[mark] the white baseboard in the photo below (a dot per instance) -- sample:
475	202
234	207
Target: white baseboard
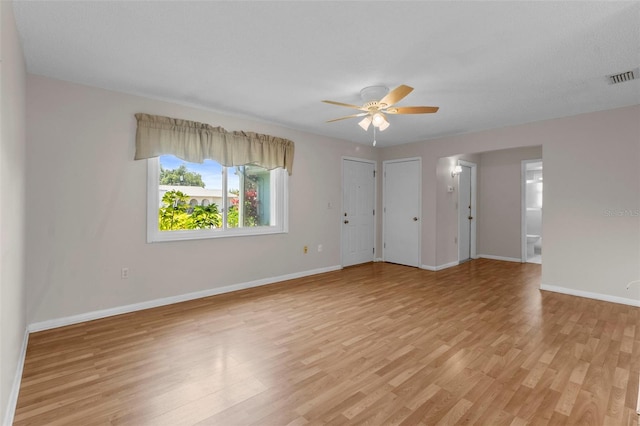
440	267
590	295
456	263
447	265
378	259
75	319
506	259
15	388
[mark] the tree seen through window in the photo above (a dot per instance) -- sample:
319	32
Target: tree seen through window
210	196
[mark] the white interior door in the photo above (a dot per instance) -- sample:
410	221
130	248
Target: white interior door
464	214
358	216
402	211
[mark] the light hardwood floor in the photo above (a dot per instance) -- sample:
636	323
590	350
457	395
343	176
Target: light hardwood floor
378	344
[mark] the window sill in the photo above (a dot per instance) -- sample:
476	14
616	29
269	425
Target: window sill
166	236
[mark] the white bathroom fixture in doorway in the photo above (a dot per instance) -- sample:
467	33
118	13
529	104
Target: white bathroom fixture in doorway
531	229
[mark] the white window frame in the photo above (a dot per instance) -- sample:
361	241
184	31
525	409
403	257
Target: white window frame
279	206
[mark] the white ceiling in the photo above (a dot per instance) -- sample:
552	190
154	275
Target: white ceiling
485	64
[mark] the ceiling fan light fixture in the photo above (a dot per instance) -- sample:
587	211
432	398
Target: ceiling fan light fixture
377	119
379	101
364	123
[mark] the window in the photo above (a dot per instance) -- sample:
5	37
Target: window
194	201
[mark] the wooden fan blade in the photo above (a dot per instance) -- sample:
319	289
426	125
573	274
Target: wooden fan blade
396	95
412	110
345	105
348	116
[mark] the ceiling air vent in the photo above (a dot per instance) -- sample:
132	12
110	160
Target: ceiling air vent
624	76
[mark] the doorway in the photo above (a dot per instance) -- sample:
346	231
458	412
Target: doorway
467	211
531	228
402	211
358	215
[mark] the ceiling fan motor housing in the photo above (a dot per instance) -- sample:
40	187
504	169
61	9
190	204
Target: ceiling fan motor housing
373	94
373	106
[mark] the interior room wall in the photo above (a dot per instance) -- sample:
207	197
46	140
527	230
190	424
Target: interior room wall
591	200
87	147
590	166
12	208
500	206
447	209
432	150
81	172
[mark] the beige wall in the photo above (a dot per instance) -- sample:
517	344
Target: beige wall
498	204
590	163
68	252
83	138
447	209
499	207
431	151
12	207
591	166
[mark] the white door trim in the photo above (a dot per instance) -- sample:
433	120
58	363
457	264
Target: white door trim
523	207
402	160
375	203
474	209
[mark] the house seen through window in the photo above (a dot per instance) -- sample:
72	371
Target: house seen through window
209	200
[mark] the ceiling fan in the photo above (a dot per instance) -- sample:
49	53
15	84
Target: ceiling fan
378	101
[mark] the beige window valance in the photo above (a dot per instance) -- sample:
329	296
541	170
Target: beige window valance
195	142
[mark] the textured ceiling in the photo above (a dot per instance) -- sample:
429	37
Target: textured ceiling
485	64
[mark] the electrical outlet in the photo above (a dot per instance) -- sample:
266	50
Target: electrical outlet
124	273
319	247
305	249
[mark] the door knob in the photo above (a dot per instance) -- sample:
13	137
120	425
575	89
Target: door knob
415	219
346	221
